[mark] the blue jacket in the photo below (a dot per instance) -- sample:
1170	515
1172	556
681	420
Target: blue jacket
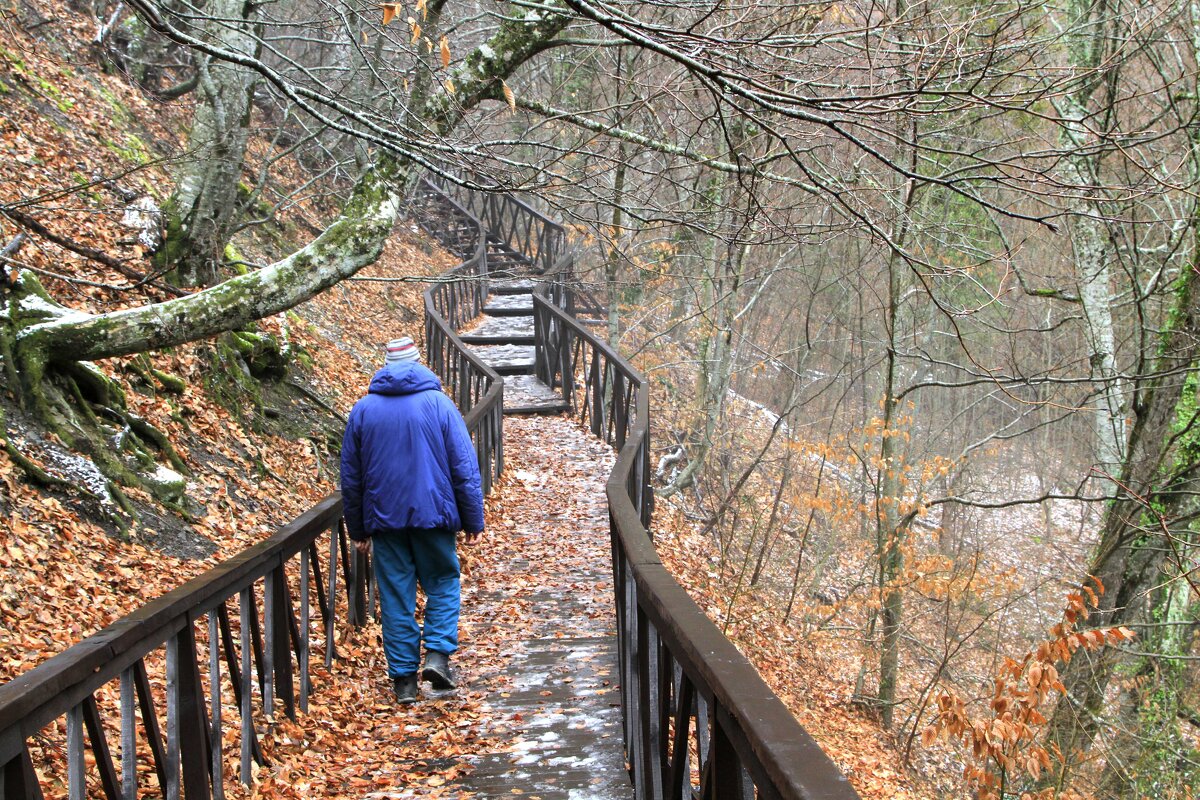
407	459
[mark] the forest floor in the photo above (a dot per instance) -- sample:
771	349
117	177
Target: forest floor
259	461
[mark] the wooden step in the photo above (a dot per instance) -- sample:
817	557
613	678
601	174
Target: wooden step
525	394
500	330
513	286
507	359
509	305
501	253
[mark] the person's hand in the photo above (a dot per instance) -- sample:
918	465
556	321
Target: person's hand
471	537
363	546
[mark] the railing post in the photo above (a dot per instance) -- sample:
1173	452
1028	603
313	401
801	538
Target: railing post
128	738
247	710
193	742
648	700
620	409
305	633
279	617
76	777
100	752
215	731
18	780
565	346
596	394
358	589
332	595
679	787
171	790
725	778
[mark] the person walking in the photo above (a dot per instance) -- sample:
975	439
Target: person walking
410	483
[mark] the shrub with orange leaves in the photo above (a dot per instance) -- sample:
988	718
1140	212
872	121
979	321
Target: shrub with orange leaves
1004	744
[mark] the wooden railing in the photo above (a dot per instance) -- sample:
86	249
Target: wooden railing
450	304
511	221
265	655
686	692
183	638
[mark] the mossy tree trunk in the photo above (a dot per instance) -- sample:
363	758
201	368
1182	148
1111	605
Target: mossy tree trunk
45	340
1147	440
1142	538
202	213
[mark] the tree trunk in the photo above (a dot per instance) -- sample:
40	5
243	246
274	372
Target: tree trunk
891	526
202	213
1157	484
1090	241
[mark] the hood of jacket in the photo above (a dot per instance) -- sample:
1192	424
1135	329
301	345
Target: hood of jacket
404	377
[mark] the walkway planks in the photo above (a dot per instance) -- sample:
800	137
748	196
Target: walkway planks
503	338
555	696
537	704
500	330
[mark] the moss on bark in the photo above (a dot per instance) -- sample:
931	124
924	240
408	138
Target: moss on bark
80	406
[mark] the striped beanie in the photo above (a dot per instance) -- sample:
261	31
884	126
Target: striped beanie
401	349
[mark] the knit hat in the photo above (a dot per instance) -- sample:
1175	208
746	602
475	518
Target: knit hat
402	349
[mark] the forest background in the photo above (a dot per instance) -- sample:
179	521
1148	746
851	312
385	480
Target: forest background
916	284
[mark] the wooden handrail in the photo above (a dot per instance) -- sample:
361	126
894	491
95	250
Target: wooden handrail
66	684
679	673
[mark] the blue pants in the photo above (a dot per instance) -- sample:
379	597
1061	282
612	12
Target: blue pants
402	558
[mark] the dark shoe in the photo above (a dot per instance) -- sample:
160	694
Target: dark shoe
437	671
406	689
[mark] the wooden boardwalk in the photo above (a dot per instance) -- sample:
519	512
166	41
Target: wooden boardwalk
553	698
539	708
558	688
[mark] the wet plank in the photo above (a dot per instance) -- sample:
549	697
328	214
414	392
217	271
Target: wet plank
568	744
507	359
500	330
525	394
509	305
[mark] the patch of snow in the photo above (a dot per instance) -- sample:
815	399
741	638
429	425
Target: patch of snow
80	470
166	475
144	216
487	52
771	416
58	314
33	303
91	367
